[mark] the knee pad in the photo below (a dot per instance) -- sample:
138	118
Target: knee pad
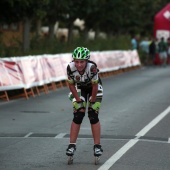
78	117
93	116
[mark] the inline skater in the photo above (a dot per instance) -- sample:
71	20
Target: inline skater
86	91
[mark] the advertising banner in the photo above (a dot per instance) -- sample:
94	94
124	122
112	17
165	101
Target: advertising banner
31	71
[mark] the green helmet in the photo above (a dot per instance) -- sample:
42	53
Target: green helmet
81	53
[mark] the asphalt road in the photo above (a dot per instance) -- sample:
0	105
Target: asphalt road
134	116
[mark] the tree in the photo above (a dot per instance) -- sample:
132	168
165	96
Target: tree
73	11
91	14
55	11
25	11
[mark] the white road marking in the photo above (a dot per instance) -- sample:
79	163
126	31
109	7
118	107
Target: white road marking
114	158
153	122
27	135
60	135
169	140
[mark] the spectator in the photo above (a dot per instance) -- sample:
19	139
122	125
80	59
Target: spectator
134	43
168	51
162	49
152	51
144	46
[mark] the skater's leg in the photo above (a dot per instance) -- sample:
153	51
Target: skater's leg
96	132
74	131
93	113
95	123
78	115
76	123
96	136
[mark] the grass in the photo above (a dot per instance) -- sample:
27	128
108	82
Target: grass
40	46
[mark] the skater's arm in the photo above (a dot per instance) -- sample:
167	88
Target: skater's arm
94	92
74	92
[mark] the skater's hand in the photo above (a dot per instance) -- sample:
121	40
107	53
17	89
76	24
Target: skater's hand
81	101
91	104
78	105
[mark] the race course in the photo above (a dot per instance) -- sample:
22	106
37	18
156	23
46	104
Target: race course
134	117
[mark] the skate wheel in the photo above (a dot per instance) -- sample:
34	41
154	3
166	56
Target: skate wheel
97	159
70	160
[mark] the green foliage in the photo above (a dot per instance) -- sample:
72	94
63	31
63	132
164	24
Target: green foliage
44	46
117	18
17	10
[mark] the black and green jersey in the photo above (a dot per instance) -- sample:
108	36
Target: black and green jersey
85	80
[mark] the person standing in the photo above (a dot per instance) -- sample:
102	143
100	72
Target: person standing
152	51
134	43
162	49
86	92
168	50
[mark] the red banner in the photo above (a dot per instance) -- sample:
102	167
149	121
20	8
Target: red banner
10	76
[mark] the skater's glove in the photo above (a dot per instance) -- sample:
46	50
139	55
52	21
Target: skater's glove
91	104
78	105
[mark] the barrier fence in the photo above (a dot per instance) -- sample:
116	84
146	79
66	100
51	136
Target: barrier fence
39	73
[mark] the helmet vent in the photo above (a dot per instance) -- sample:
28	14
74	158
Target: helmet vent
79	54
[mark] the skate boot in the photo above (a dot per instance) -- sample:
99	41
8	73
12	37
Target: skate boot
97	153
70	152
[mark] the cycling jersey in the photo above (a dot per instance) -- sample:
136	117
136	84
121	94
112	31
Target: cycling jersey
85	80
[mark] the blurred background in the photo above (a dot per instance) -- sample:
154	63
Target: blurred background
29	27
